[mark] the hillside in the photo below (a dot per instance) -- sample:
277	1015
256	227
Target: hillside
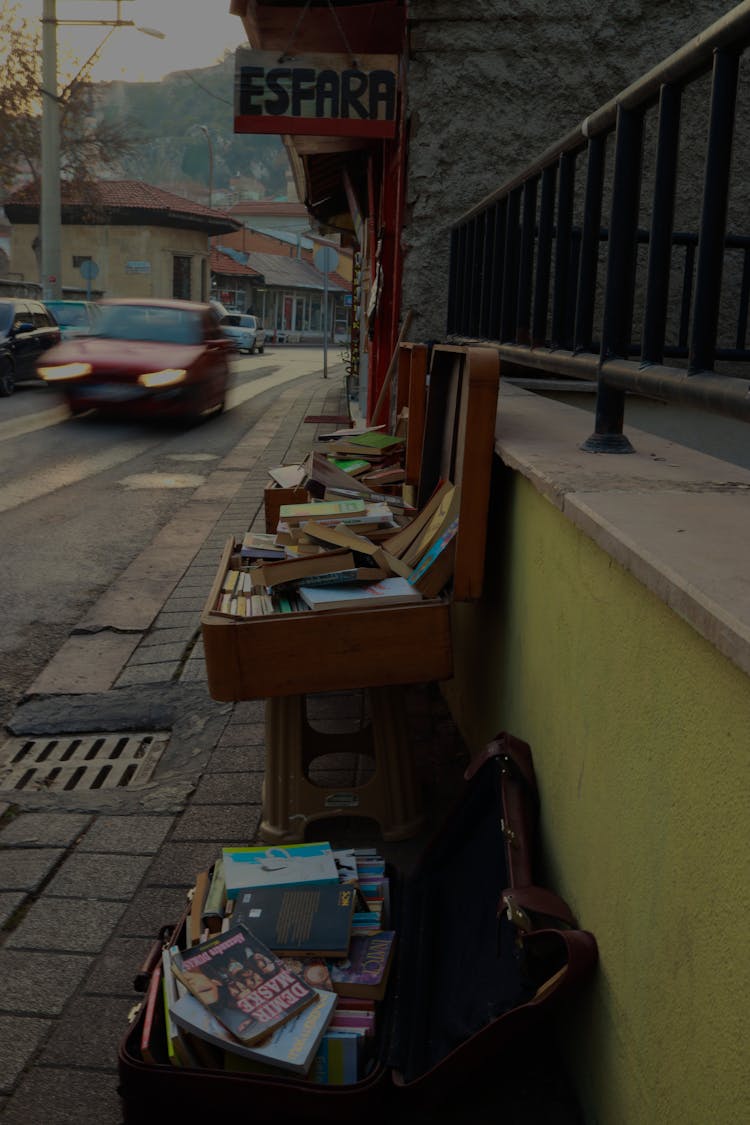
173	152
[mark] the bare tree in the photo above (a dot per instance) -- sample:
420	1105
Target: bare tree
88	145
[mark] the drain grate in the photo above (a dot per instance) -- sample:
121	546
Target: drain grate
76	762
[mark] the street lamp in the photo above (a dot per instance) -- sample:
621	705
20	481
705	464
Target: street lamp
50	220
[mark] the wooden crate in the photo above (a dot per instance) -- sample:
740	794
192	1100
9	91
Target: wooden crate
302	653
298	653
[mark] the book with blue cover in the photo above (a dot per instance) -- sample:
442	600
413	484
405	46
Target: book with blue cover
313	921
277	866
390	591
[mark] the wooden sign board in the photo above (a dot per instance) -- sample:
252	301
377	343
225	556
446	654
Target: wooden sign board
316	95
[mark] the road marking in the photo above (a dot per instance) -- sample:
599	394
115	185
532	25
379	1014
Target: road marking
73	472
67	473
238	395
17	427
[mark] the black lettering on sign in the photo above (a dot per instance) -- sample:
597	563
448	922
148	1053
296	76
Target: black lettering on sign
327	94
383	92
250	89
353	85
274	79
303	89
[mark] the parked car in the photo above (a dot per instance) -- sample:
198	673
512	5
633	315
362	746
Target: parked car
245	330
76	318
27	330
155	358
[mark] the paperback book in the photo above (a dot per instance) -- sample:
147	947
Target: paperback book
364	973
277	866
292	1047
244	986
309	920
391	591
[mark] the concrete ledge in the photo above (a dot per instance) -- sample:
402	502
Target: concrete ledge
678	520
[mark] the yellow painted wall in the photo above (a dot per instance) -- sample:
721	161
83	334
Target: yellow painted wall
113	248
640	733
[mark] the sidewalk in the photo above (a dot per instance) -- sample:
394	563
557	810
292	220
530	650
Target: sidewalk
89	875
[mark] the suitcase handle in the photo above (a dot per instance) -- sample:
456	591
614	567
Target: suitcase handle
153	957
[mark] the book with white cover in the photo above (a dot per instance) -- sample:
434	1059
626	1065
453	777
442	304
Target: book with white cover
278	865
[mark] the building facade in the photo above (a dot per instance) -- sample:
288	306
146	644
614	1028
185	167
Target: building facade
129	240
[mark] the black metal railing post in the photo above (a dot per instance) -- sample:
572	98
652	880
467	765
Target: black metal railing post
560	296
714	212
544	256
590	236
662	226
617	320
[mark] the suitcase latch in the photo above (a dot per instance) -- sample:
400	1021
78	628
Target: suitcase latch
516	914
133	1013
508	833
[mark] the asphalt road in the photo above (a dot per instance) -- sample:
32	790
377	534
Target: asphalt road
81	497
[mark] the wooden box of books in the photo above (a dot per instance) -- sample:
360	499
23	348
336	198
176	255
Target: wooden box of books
377	1006
397	629
297	652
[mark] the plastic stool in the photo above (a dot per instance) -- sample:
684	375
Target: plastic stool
291	801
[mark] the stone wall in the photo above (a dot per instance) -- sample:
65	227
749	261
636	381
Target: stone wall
492	85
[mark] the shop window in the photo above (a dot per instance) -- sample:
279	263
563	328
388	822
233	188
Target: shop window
181	277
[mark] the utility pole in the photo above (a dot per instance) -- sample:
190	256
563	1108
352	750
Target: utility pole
204	130
50	210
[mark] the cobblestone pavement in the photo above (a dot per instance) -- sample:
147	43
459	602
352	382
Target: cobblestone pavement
88	878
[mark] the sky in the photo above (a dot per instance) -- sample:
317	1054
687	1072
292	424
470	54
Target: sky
197	34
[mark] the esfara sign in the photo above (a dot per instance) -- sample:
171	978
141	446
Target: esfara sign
316	95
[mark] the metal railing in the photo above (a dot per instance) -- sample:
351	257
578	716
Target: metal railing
534	271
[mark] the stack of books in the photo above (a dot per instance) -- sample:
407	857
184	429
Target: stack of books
282	963
345	553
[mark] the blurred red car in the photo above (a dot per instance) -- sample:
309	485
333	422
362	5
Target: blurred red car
155	358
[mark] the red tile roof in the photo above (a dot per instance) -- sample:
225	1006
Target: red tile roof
123	194
225	264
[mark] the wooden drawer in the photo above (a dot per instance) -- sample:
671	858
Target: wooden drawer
336	650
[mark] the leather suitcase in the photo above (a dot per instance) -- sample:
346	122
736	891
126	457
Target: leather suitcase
484	957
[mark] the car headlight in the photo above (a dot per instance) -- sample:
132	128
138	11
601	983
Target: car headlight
65	371
166	378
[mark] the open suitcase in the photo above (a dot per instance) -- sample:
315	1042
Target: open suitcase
483	957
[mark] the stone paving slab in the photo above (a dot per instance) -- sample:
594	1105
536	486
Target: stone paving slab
223	789
159	673
236	824
238	759
40	983
20	1037
92	1030
44	829
244	734
25	869
100	876
62	1096
177	864
142	835
9	904
113	972
85	664
158	906
67	925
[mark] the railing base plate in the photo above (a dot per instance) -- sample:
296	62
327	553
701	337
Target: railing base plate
607	443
